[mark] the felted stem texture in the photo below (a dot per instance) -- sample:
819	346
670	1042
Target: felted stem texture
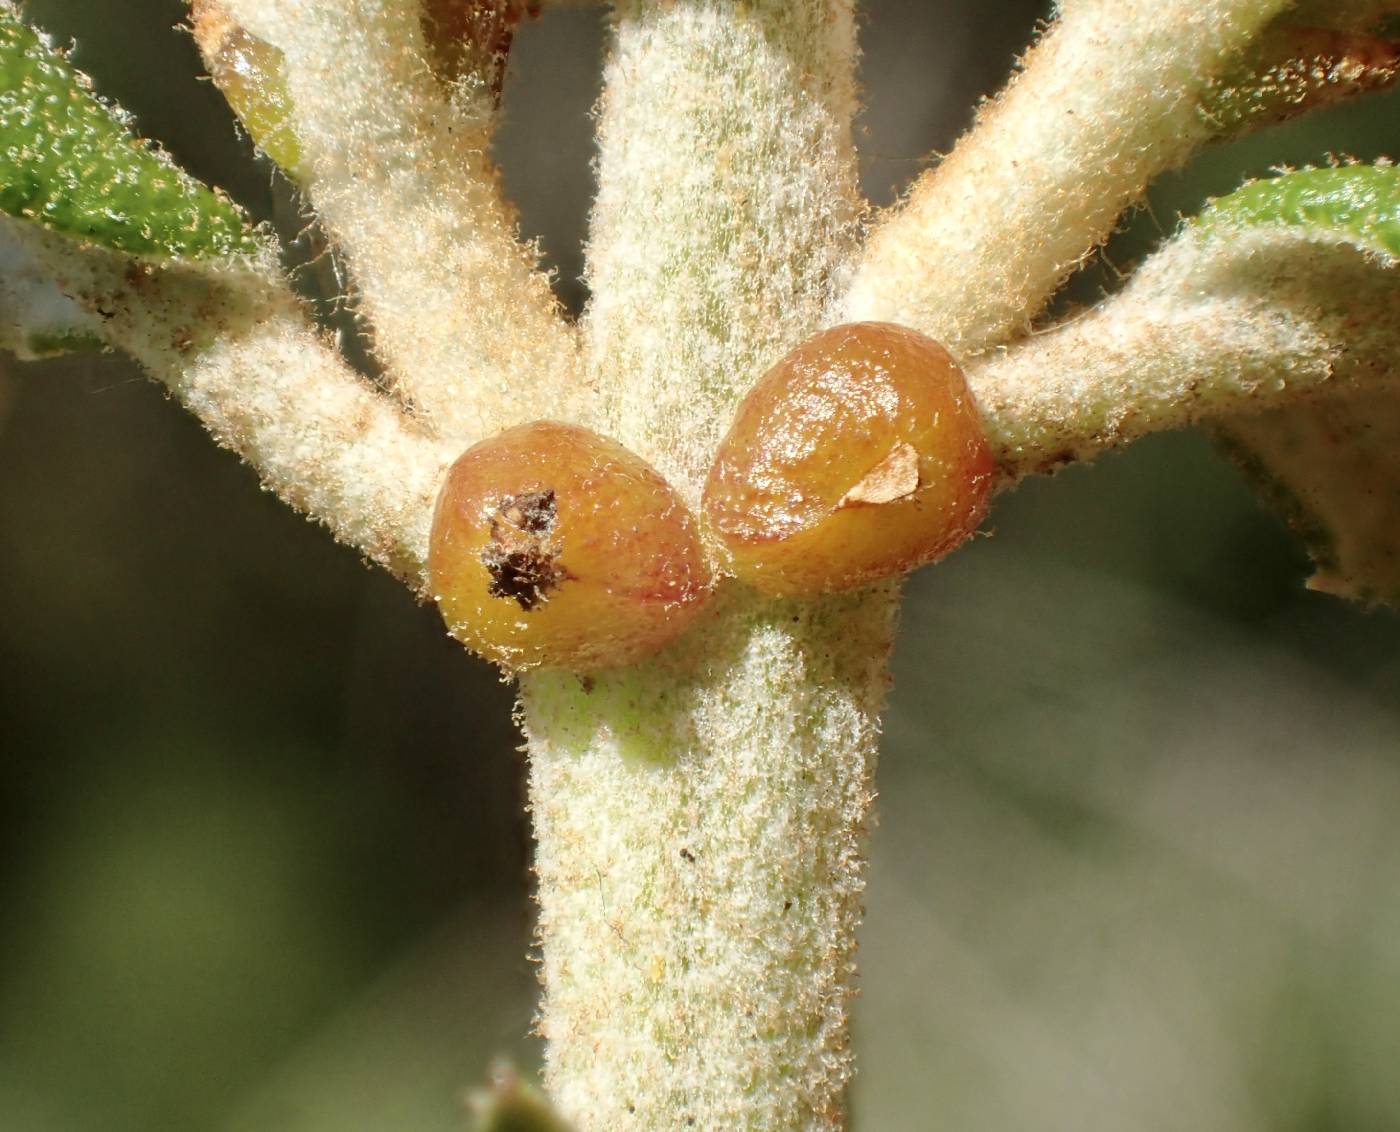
700	819
238	352
1208	328
726	211
1108	99
701	860
399	174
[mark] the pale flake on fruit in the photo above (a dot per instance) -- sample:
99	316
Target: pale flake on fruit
857	456
894	477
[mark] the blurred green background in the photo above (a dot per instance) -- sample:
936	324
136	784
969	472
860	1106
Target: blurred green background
262	850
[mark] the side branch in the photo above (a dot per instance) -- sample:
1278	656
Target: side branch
239	353
1207	329
397	166
1107	100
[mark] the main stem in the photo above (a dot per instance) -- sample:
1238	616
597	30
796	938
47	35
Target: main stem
700	819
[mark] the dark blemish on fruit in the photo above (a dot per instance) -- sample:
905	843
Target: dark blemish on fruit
522	557
687	855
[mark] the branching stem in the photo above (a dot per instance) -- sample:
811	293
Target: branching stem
700	819
399	172
240	354
1107	100
1208	328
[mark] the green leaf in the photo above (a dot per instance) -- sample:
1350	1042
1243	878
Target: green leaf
70	162
1331	469
1359	204
48	344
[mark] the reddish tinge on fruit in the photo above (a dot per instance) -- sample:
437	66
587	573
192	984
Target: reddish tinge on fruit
555	547
857	456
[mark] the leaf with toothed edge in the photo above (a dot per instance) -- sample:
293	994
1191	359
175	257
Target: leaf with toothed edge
1331	469
70	162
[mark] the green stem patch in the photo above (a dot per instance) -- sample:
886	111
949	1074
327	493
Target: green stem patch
513	1105
70	162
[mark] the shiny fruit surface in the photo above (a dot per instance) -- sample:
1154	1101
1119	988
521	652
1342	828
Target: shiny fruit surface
857	456
555	547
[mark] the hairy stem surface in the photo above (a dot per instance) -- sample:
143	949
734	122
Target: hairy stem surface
700	862
726	211
700	820
240	355
1107	100
1208	328
400	174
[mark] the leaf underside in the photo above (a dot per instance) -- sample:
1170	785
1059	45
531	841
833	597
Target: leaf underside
1332	469
70	162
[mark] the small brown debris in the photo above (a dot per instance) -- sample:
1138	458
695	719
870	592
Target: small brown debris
522	557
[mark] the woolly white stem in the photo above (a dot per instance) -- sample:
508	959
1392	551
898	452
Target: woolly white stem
241	356
700	819
725	215
400	175
1108	99
1213	325
701	859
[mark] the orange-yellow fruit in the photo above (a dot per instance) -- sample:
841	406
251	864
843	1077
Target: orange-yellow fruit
859	455
555	547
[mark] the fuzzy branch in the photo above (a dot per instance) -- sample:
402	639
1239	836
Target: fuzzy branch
1292	70
396	165
1209	327
239	353
1108	99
